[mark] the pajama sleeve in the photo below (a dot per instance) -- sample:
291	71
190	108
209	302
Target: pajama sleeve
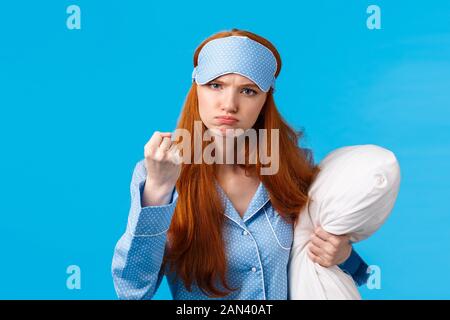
356	268
136	265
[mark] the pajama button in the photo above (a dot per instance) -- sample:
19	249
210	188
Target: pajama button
245	232
253	269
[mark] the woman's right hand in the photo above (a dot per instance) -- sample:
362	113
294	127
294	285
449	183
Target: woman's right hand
163	163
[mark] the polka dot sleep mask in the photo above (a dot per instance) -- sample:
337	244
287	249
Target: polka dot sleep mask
236	54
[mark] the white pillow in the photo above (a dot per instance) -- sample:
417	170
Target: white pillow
353	194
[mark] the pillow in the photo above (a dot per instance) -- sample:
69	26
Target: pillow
353	194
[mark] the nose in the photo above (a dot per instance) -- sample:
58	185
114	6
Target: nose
230	102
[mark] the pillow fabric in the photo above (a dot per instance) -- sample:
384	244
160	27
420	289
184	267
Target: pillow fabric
353	194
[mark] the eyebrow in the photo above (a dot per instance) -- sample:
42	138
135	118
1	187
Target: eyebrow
242	85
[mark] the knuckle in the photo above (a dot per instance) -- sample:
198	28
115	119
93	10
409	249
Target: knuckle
148	151
159	155
326	262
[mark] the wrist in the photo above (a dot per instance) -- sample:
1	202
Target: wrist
347	256
156	194
161	186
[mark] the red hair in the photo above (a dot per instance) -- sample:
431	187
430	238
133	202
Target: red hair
195	248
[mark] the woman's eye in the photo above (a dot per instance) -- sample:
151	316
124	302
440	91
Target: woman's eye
247	91
250	92
214	85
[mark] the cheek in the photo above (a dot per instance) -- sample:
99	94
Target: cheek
205	104
253	111
202	111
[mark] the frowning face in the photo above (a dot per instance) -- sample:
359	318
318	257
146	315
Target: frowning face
230	101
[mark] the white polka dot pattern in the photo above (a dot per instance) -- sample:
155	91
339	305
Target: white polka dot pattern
236	54
257	248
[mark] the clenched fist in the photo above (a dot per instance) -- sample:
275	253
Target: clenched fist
328	249
163	163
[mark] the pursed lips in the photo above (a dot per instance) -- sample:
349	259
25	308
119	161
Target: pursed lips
226	120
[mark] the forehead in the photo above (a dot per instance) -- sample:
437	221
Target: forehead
234	78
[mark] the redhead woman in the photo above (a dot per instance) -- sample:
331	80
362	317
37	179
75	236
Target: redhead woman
223	229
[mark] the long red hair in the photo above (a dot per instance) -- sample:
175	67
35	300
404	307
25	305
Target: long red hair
195	248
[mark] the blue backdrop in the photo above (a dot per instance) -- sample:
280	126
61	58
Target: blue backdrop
77	107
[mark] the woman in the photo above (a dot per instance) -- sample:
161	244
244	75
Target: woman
223	230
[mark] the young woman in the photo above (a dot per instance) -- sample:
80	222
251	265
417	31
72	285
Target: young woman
223	230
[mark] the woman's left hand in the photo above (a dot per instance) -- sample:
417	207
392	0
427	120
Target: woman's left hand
328	249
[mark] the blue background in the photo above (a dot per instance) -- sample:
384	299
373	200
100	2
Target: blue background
77	107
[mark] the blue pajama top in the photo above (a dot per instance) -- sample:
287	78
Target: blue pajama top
257	248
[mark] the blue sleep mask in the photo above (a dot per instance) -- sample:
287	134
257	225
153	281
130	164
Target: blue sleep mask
236	54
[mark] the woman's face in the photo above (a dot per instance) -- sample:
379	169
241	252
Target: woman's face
230	101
